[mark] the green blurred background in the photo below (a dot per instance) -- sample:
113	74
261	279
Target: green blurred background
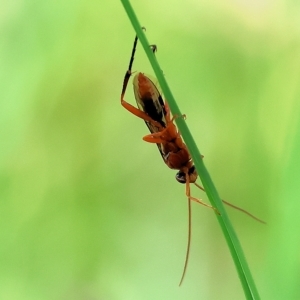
88	210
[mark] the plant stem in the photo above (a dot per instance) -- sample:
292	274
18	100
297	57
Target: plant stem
228	231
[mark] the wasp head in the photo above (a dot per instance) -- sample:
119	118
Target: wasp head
192	174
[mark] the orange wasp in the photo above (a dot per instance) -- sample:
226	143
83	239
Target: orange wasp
156	114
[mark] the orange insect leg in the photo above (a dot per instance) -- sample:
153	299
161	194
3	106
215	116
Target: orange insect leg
165	135
137	112
127	105
151	138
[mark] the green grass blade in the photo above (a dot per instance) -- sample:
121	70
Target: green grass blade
228	231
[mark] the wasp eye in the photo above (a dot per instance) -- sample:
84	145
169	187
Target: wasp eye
192	173
180	177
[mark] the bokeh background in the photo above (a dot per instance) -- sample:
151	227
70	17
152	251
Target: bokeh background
87	209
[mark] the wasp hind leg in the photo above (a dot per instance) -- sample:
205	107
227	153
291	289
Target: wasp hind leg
124	103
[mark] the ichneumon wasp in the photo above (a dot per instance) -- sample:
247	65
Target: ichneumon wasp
156	114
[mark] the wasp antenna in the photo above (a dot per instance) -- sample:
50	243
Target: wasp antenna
187	254
199	186
244	211
235	207
189	241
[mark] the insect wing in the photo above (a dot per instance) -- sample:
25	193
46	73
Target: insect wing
149	100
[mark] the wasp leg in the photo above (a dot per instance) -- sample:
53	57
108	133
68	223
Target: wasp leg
125	104
151	138
166	134
138	112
